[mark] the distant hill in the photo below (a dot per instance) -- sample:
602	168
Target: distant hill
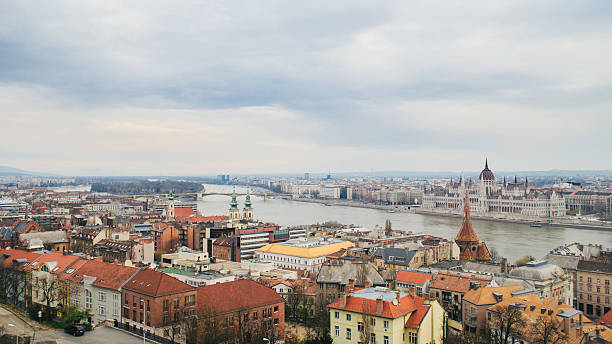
11	171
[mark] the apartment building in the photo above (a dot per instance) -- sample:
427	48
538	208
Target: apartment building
594	288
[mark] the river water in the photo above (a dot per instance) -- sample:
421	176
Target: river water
509	239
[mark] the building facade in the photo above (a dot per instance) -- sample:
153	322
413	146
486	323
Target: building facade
594	288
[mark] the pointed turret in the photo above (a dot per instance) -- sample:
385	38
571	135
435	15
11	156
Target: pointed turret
515	180
234	202
466	234
247	201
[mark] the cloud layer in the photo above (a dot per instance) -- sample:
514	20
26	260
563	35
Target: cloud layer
211	87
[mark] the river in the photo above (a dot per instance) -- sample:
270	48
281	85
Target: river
509	239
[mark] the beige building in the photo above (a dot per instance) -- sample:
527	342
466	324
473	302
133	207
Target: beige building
594	288
382	316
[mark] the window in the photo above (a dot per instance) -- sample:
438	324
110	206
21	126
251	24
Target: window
386	340
386	324
348	317
246	317
176	302
337	315
337	329
373	339
101	296
348	333
88	299
360	326
607	299
598	281
275	309
166	305
589	280
412	338
275	321
127	299
115	304
580	278
101	310
373	322
607	282
255	315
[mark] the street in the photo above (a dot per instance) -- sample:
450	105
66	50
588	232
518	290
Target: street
102	335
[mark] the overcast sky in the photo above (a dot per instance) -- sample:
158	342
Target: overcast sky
197	87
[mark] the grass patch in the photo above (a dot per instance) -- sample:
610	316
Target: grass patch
609	219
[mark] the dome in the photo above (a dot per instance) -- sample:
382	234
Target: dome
486	174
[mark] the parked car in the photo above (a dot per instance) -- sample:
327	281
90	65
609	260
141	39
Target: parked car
75	330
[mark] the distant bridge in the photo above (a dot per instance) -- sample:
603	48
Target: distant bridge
199	195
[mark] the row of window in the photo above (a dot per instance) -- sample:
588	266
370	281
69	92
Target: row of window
360	324
590	298
598	288
590	280
412	337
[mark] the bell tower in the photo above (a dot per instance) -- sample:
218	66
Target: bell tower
170	210
248	209
234	212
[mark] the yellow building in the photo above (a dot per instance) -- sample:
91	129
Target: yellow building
382	316
301	254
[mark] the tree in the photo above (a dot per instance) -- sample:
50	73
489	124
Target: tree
207	328
292	304
505	322
362	273
388	229
12	286
50	291
366	327
547	330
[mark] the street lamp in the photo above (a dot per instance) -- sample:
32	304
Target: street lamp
16	331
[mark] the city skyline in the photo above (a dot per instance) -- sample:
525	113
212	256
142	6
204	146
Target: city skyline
194	89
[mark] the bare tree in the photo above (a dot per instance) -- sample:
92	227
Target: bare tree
12	286
207	328
388	229
547	330
505	322
366	327
362	273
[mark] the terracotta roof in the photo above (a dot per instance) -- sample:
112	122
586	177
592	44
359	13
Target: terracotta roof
56	262
413	277
415	319
156	283
183	212
198	219
13	254
484	296
111	276
232	296
457	283
356	304
466	233
606	319
482	252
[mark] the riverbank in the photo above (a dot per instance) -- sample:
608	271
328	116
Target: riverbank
550	222
421	211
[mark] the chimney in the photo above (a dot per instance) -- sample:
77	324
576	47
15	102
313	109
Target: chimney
351	284
379	305
342	300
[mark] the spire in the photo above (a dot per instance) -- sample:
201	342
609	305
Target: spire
486	163
504	180
526	181
234	203
515	181
247	201
466	233
171	196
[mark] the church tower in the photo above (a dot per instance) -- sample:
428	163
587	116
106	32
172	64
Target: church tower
248	209
234	212
170	210
470	247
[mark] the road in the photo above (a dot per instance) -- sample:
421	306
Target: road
102	335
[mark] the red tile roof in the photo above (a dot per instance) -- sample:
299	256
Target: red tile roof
457	283
198	219
183	212
58	262
17	254
362	305
413	277
415	319
606	319
156	283
111	276
232	296
466	233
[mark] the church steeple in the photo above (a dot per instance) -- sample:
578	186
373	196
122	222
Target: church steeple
248	209
466	233
247	201
234	202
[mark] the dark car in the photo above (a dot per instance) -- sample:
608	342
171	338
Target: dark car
75	330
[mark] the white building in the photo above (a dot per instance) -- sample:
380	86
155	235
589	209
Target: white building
487	197
301	254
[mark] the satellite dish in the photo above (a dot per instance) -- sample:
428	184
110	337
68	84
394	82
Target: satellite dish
395	302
